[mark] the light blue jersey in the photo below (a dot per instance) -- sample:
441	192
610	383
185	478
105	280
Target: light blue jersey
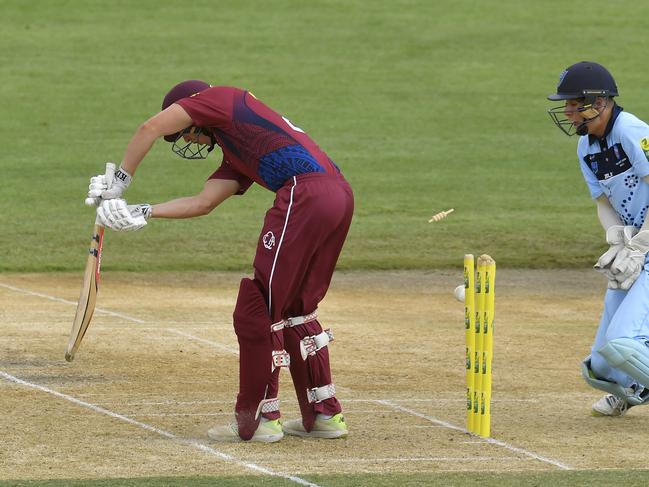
615	165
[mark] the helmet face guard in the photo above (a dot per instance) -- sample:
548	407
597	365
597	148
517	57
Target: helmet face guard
587	110
193	150
584	81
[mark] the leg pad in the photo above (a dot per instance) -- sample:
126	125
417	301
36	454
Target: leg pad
630	356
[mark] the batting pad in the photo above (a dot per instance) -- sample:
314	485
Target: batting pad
630	356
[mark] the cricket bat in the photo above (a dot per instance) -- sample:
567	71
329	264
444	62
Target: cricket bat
90	287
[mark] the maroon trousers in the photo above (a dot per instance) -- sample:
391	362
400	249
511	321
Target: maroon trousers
297	252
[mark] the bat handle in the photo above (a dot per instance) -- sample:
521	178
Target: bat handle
110	173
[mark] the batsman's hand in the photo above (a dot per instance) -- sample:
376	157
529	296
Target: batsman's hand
100	188
97	186
629	262
117	186
119	216
616	236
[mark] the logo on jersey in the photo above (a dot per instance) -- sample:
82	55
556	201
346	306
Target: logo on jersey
644	144
268	240
608	163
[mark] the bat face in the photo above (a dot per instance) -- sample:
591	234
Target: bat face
88	296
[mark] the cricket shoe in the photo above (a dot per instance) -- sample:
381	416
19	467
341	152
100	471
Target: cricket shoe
267	432
610	405
334	427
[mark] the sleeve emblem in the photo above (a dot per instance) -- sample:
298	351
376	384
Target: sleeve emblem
644	144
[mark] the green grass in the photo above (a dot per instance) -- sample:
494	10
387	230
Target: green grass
446	479
425	105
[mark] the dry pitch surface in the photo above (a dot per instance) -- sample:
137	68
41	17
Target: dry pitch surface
158	367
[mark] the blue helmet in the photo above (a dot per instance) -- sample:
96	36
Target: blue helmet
582	79
585	81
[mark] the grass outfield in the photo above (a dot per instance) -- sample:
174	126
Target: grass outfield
485	479
425	105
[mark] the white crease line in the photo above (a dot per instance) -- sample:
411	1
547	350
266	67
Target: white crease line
61	300
147	415
442	400
487	440
206	401
284	412
415	413
386	403
161	403
405	459
161	432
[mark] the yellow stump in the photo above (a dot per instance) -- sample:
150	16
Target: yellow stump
469	327
487	341
479	344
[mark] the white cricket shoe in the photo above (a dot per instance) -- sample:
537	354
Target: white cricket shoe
334	427
267	432
611	405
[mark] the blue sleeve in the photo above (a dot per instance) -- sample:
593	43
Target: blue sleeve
633	138
591	180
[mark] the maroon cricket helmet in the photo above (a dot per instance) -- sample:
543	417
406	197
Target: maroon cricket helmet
180	91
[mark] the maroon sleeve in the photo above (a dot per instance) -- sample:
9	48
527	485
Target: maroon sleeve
211	107
226	171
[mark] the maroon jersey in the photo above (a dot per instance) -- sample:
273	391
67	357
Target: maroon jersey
258	144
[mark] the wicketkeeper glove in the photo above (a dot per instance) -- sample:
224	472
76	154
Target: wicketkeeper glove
630	260
119	216
616	236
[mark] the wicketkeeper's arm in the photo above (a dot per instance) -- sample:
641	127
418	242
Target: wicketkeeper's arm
215	192
617	234
608	217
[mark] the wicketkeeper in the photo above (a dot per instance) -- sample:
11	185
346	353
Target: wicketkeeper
275	317
613	153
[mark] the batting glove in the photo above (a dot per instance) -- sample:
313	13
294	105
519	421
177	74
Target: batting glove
629	262
120	182
616	237
119	216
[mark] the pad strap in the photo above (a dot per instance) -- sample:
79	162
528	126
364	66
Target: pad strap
281	358
294	321
310	345
319	394
267	406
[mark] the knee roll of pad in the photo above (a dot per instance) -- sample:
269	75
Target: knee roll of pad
630	356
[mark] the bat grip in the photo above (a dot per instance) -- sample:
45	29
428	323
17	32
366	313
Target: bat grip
110	173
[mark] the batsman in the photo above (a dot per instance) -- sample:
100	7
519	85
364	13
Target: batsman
275	316
613	152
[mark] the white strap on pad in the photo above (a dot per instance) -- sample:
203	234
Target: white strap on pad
294	321
281	358
319	394
310	345
267	406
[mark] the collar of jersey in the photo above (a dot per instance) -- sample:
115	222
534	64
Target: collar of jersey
617	109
